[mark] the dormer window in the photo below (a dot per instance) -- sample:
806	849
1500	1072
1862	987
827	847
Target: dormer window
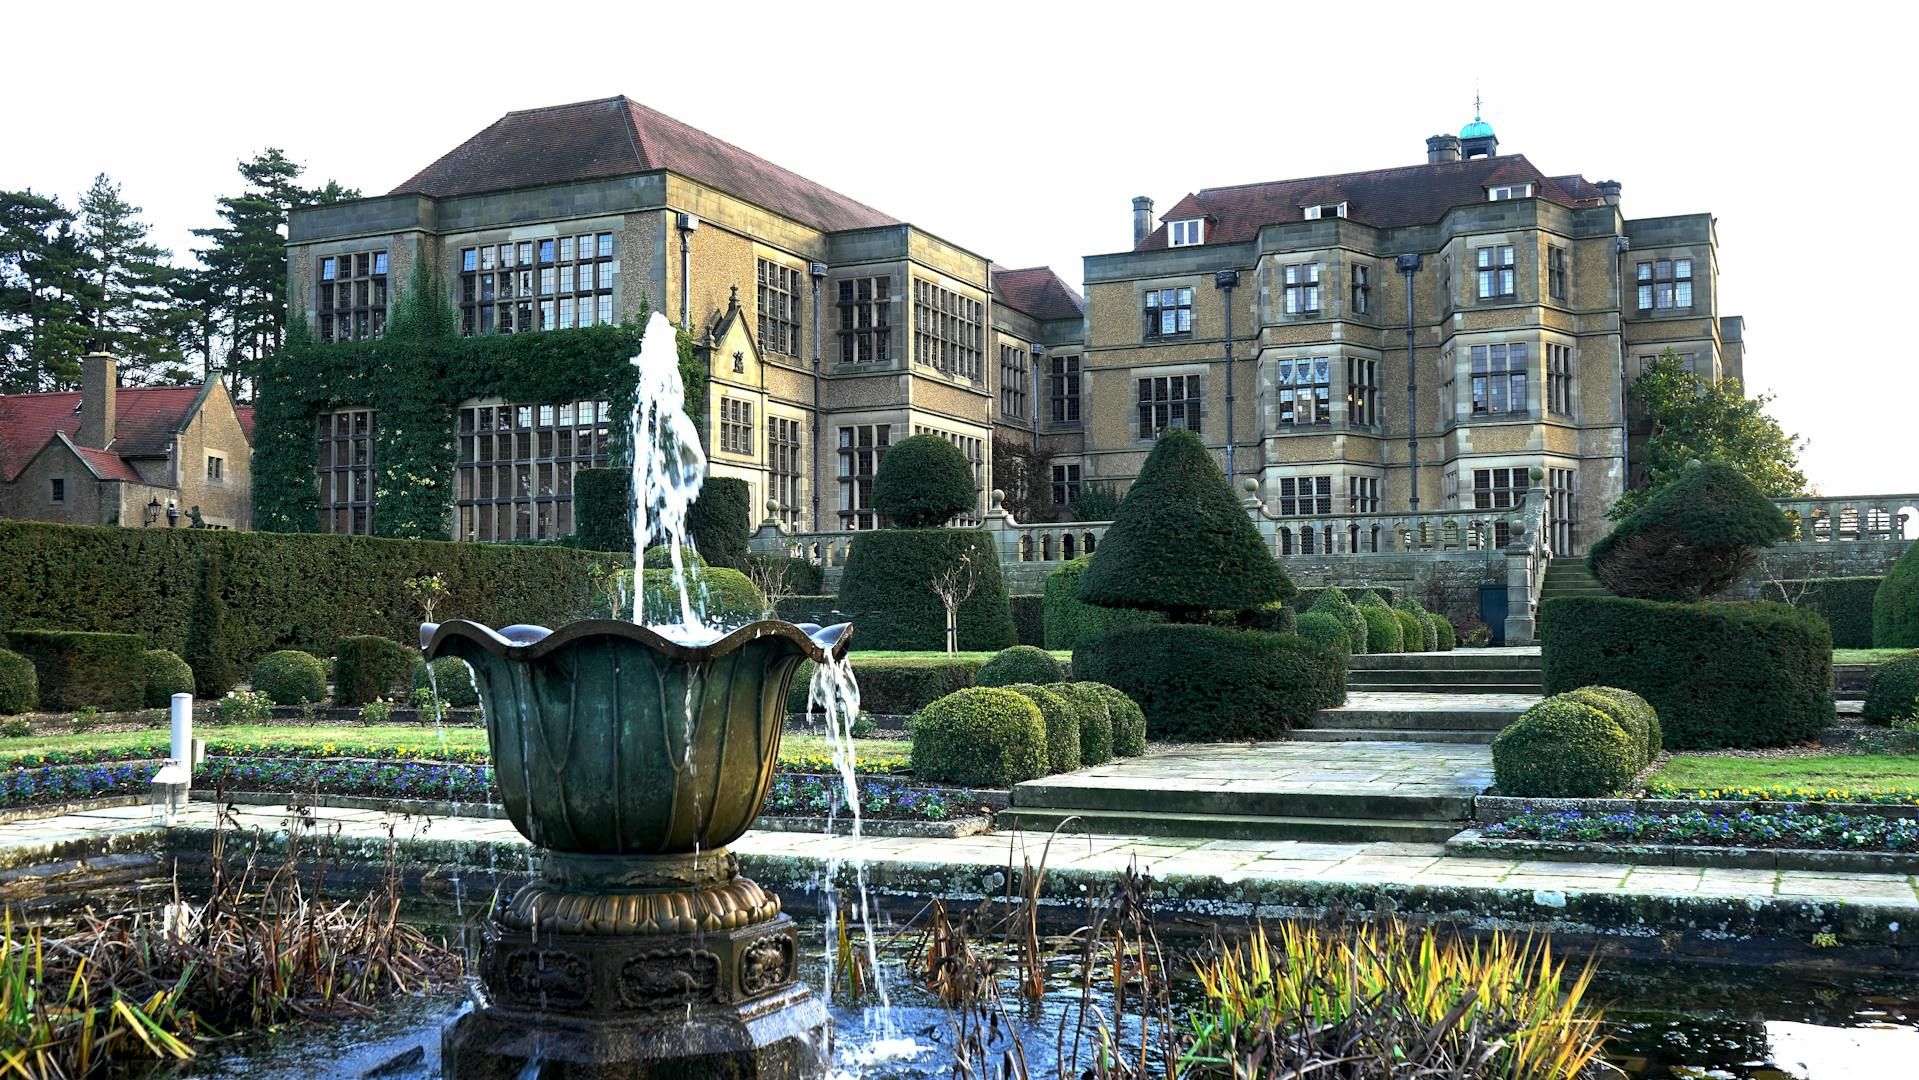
1509	191
1186	233
1325	210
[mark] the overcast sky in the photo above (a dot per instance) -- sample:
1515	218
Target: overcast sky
1022	130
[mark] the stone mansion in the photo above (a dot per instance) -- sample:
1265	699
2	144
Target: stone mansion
1416	337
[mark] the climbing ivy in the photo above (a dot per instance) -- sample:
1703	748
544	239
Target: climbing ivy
416	376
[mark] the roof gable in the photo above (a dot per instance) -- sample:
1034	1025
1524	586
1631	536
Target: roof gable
1039	292
145	420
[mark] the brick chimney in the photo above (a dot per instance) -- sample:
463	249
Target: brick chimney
99	390
1609	190
1142	219
1442	148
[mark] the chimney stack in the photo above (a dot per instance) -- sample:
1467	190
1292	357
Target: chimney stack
1142	219
1610	190
99	388
1442	148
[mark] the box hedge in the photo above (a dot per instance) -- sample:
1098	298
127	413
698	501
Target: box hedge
1384	632
1746	674
78	669
886	590
603	509
1328	631
167	675
1029	618
1413	629
1845	603
1629	711
19	684
1895	605
367	666
722	598
1692	539
1893	692
290	677
1335	603
895	685
1562	748
1128	721
984	736
1443	632
1308	596
1061	715
1095	721
1020	664
451	678
923	482
1068	619
1210	684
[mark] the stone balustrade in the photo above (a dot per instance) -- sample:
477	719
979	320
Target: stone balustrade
1851	518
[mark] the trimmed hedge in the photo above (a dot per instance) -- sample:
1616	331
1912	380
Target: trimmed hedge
886	590
1844	602
1895	606
1328	631
724	598
1562	748
278	590
1692	539
1095	721
1893	691
895	685
1747	674
923	482
167	675
1061	715
1428	636
1068	620
720	521
290	677
454	680
19	684
1413	629
76	669
1029	618
603	509
1332	601
1308	597
1629	711
984	736
366	666
1384	632
1443	632
1020	664
210	644
1209	684
1128	721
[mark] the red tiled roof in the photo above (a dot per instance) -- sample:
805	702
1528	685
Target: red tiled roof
245	413
620	137
1038	292
1384	198
106	464
145	418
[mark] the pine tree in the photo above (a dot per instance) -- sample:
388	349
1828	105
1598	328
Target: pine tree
128	285
43	316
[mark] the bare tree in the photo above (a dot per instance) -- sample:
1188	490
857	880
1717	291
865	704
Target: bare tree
954	585
773	576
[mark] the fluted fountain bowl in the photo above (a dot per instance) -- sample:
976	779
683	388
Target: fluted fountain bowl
609	738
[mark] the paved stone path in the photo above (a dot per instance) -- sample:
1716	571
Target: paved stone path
1357	768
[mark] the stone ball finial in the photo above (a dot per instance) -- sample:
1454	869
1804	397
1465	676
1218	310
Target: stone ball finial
1536	473
999	495
772	506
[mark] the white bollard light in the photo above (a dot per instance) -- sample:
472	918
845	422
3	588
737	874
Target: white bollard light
175	778
183	728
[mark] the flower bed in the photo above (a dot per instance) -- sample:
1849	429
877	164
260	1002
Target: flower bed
1783	793
1788	829
56	783
805	794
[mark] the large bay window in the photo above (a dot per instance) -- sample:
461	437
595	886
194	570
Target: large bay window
517	463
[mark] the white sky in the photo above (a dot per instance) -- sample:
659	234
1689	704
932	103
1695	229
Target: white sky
1022	130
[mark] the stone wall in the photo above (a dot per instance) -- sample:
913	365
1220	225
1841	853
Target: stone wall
1841	558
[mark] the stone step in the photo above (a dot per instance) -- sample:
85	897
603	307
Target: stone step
1225	826
1432	676
1075	794
1489	659
1394	735
1374	687
1413	719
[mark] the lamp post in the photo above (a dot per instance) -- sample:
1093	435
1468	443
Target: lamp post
1226	281
818	273
153	511
1408	265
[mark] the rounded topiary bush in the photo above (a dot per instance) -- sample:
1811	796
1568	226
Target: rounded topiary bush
923	482
1629	711
1412	631
1060	714
19	685
1443	636
1692	539
724	599
1562	748
1020	664
452	678
1095	721
1895	604
1334	601
984	736
80	669
1384	632
1210	684
167	675
1328	630
1893	692
1428	633
366	666
290	677
1128	721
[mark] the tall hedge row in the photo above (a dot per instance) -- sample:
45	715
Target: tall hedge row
885	590
279	590
1068	619
1750	674
1895	606
1844	602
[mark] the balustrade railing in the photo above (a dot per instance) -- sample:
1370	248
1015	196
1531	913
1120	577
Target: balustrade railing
1822	520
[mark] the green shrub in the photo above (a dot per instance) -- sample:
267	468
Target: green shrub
1274	618
1384	632
19	685
795	577
1308	596
1128	720
1427	634
724	599
76	669
167	675
1209	684
377	711
1334	602
1061	717
366	666
603	509
1749	674
1095	721
243	707
1692	539
1631	712
1181	542
16	728
210	641
1893	691
1845	603
1328	631
290	677
823	610
1029	618
1895	604
895	685
1068	620
1443	632
923	482
1412	631
454	680
721	520
886	590
1020	664
1562	748
983	736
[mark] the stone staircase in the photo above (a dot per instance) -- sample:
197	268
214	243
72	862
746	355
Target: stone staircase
1569	577
1465	671
1466	696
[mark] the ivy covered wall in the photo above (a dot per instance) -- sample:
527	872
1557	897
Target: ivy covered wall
416	376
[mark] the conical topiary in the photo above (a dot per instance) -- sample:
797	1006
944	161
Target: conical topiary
1181	543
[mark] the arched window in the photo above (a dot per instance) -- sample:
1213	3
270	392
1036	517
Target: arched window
1092	543
1026	548
1306	541
1068	546
1285	541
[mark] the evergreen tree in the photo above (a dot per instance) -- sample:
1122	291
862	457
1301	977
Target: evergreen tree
206	646
128	285
1695	419
43	314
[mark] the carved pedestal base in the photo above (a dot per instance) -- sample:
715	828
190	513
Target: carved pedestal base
713	1004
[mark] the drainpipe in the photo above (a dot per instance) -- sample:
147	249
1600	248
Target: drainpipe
818	271
689	224
1620	246
1226	281
1038	351
1407	265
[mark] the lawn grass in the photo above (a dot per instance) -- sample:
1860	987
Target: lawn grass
1866	656
935	654
1858	773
